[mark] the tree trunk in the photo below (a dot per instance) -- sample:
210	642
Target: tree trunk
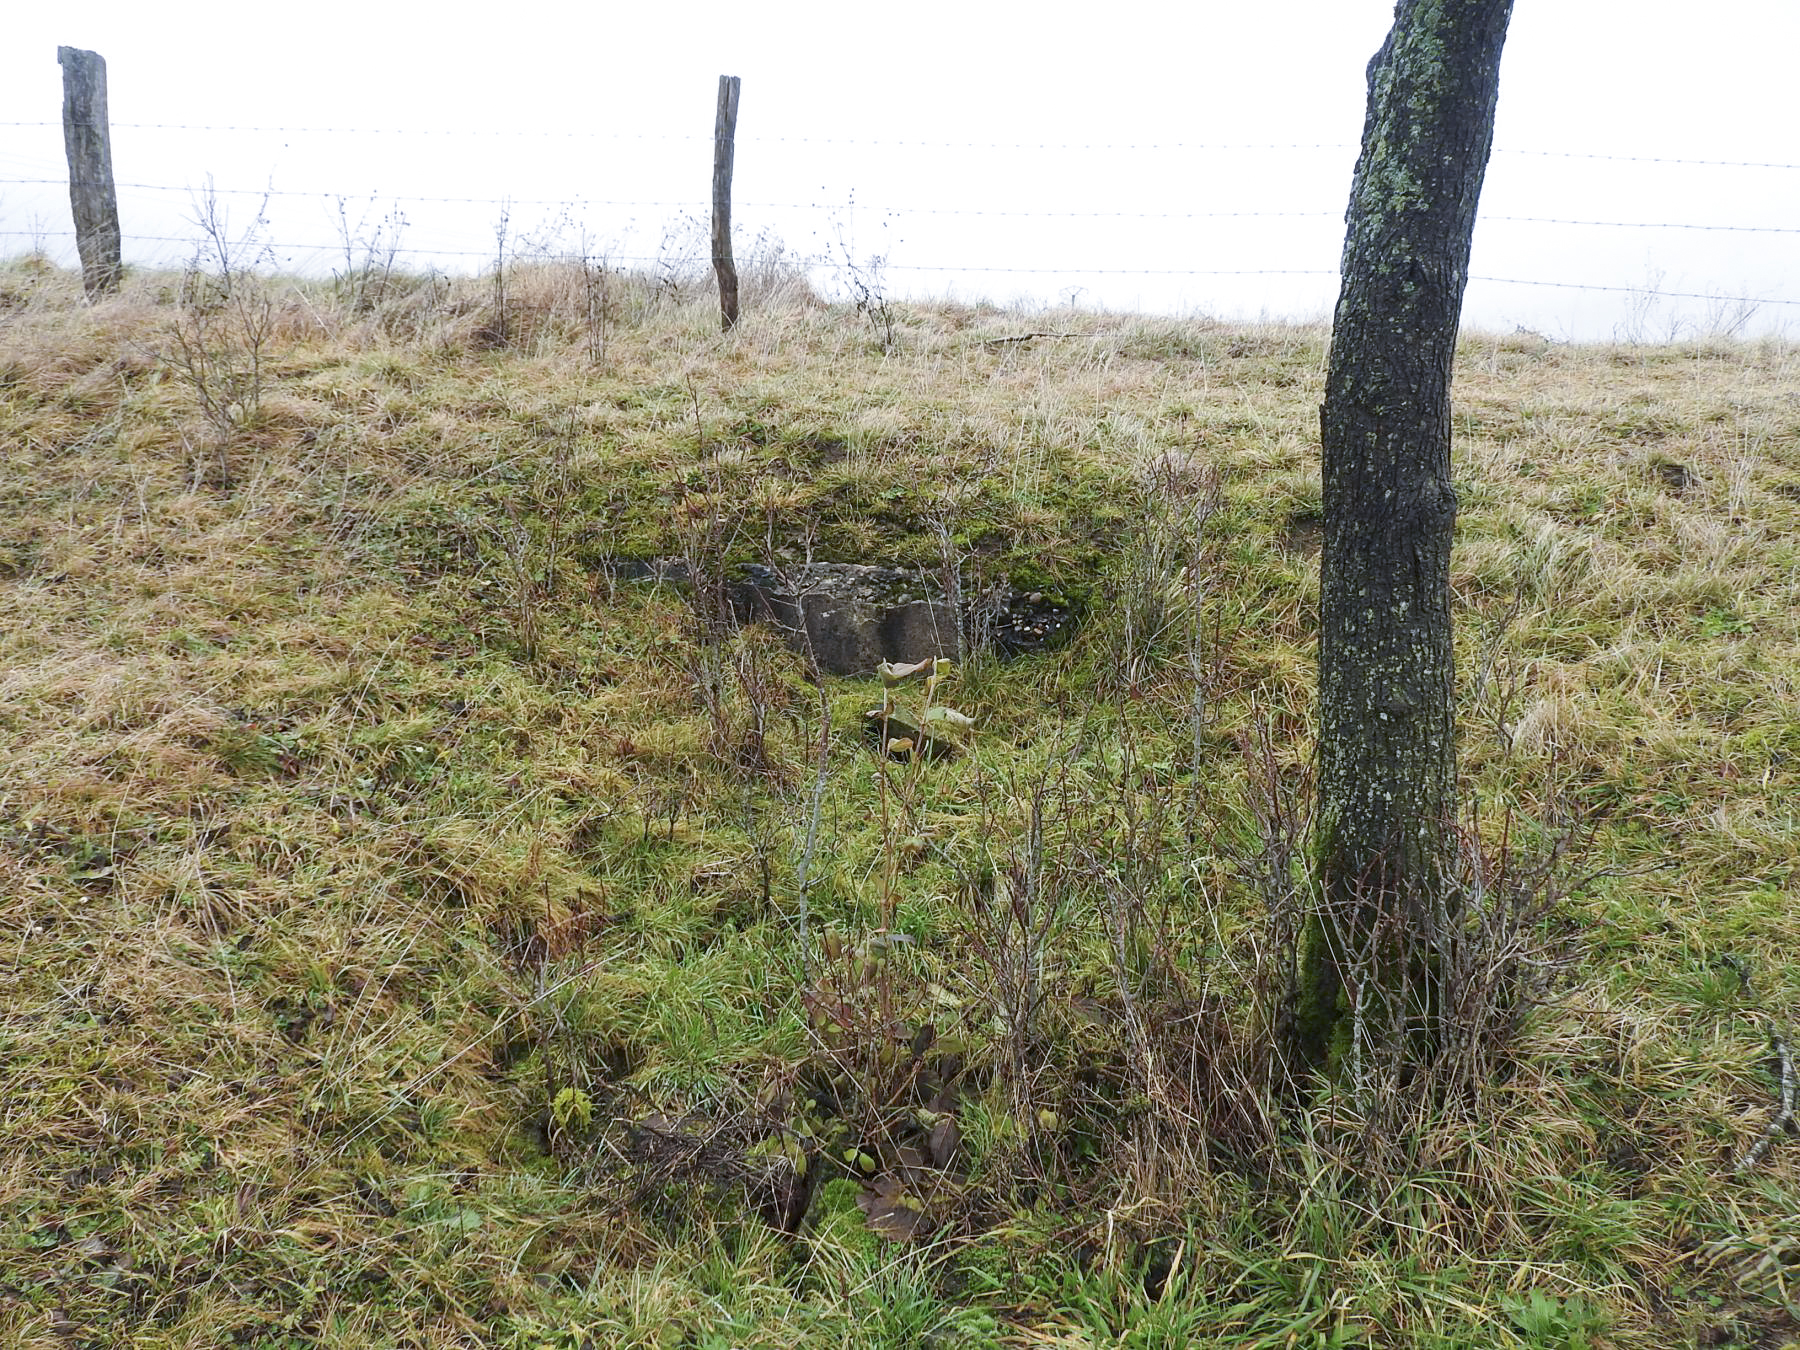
1387	755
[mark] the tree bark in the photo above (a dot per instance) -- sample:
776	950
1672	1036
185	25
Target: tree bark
87	139
1387	752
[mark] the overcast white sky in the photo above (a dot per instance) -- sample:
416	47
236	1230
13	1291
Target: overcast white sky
916	114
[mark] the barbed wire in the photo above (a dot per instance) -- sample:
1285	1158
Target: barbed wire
404	199
1087	146
664	260
397	199
1647	159
1645	224
400	251
698	137
337	247
1638	290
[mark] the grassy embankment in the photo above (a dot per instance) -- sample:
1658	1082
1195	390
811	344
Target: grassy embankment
399	906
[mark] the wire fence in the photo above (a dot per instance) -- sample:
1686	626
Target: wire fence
541	134
834	224
696	205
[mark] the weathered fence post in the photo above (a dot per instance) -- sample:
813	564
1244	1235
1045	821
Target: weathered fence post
89	143
724	138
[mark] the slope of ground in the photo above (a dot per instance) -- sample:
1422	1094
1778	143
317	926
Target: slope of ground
418	929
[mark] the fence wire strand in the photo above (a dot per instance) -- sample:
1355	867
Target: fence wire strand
658	260
1084	146
403	199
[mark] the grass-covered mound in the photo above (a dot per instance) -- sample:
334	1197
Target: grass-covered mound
417	929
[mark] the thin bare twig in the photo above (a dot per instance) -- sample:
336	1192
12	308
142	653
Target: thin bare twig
1027	337
1783	1123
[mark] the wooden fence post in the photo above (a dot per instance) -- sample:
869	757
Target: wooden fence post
91	197
724	146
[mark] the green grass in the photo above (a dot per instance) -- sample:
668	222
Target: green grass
357	808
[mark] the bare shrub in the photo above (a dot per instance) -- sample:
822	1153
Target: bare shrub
370	253
774	276
1195	1074
224	321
